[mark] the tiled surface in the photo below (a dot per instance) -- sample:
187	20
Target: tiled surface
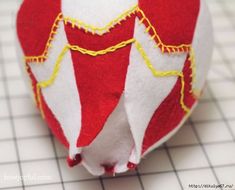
202	152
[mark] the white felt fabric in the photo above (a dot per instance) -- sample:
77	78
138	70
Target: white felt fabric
62	96
121	139
203	45
97	13
112	146
144	92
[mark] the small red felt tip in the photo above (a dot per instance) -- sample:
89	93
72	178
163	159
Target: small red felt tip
109	169
131	165
73	162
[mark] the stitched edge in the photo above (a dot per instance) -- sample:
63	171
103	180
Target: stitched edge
50	81
157	73
155	36
100	30
149	27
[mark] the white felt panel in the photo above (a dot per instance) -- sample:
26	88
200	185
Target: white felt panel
144	92
62	96
97	13
203	45
112	146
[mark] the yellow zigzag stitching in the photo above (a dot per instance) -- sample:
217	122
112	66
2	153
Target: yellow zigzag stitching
101	30
160	43
164	74
183	47
50	81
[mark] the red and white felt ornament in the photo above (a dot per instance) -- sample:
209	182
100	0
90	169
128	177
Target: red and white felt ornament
114	79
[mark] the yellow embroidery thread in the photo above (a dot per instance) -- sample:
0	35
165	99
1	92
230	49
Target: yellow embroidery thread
50	81
170	49
164	74
174	48
100	30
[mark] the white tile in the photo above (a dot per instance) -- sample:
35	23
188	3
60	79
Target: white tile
128	183
2	90
226	175
23	107
75	173
9	176
232	126
4	111
206	111
45	187
219	72
17	88
12	70
216	57
8	6
84	185
224	36
205	94
161	181
185	136
197	177
215	8
220	154
213	132
5	129
30	127
6	21
61	150
188	157
40	172
227	108
8	152
7	36
38	148
223	89
222	22
9	53
229	52
155	162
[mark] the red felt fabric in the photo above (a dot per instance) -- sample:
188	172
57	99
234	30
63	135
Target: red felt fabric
100	79
169	114
34	22
173	20
49	117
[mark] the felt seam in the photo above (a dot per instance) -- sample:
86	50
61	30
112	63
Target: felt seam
163	74
87	27
135	9
149	27
46	83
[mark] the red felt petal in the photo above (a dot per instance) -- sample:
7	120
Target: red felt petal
34	22
100	79
173	20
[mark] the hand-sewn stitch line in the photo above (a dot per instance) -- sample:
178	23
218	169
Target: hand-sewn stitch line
50	81
101	30
163	74
143	19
